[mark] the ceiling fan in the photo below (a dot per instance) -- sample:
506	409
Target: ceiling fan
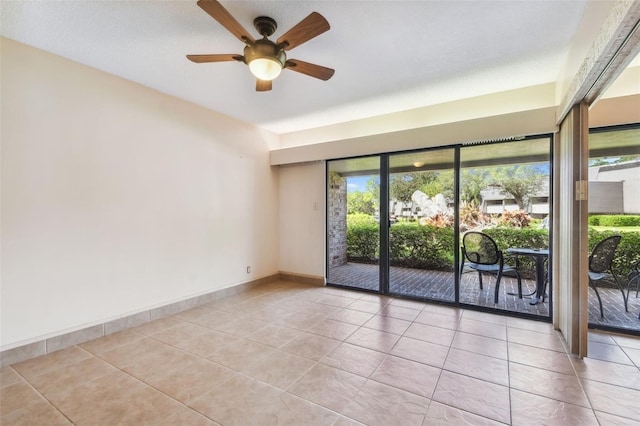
265	58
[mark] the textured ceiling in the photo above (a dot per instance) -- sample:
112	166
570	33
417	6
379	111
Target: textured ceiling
389	56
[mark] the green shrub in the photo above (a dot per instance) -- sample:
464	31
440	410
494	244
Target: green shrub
612	220
627	253
363	241
421	246
356	219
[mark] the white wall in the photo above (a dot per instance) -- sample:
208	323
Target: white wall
302	218
117	198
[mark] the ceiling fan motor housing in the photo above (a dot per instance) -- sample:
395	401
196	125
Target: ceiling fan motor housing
264	49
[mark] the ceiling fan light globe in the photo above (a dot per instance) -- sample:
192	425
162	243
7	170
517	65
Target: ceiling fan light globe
265	68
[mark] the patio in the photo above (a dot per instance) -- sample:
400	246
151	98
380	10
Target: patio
439	285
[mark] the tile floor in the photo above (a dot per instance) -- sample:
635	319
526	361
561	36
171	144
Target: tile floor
292	354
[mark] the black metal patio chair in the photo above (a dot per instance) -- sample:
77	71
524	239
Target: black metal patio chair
600	262
633	279
480	253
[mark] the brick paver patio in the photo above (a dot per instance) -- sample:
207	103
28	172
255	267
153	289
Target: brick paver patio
439	285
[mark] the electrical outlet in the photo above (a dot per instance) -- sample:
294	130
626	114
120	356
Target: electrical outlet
248	269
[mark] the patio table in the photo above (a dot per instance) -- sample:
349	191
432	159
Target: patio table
540	255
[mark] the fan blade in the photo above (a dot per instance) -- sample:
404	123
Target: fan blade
310	27
263	85
214	58
220	14
313	70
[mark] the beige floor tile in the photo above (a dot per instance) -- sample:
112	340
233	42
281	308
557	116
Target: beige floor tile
479	366
562	387
192	381
445	415
39	413
322	310
524	324
279	369
159	362
474	395
311	346
616	400
44	363
352	316
241	327
17	396
9	376
214	317
481	345
301	321
238	402
146	406
606	352
437	319
346	421
373	339
380	404
600	337
63	379
608	372
535	339
334	329
429	333
290	410
530	409
486	329
484	317
354	359
399	312
207	343
420	351
627	341
130	353
327	386
370	306
407	375
111	341
339	301
180	333
607	419
388	324
156	326
634	355
239	354
275	335
540	358
97	396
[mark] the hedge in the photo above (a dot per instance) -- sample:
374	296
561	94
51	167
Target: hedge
627	253
422	247
614	220
410	246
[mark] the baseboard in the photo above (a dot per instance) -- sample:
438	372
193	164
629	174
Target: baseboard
52	344
302	278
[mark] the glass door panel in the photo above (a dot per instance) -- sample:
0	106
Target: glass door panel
505	193
421	234
353	223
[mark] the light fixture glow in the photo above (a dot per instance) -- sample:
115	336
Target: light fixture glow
265	68
418	164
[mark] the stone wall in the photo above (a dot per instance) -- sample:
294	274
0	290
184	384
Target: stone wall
337	226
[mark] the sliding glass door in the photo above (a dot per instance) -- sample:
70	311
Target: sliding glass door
353	223
396	224
422	231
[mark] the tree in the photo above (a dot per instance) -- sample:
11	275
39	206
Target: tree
361	202
521	182
403	185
